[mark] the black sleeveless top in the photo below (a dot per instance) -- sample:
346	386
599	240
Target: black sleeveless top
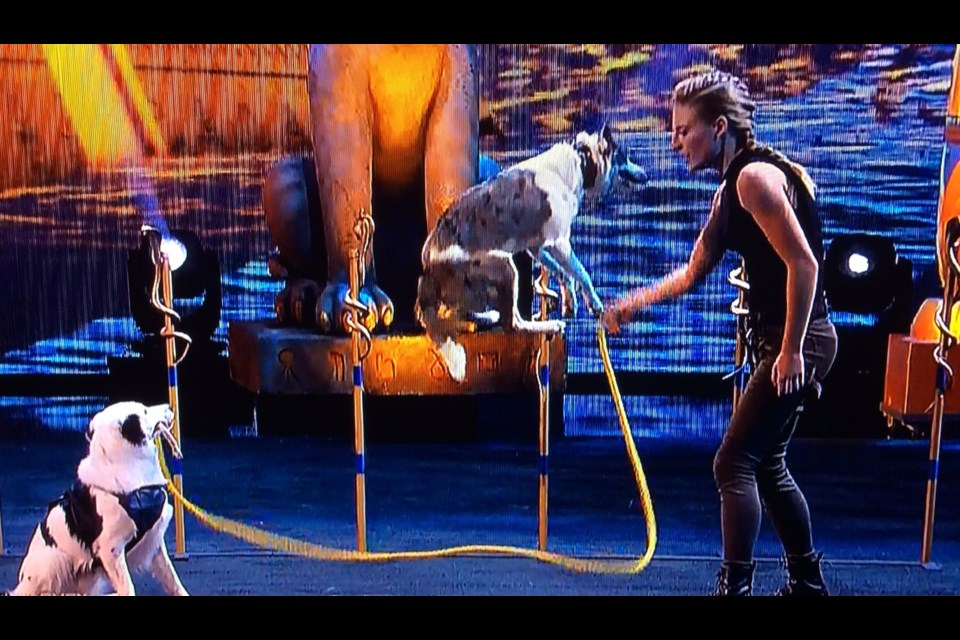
765	271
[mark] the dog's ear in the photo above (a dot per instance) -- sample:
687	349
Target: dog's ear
606	135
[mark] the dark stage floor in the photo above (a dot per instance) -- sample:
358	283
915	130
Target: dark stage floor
866	498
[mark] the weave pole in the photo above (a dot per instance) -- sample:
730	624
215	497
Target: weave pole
163	278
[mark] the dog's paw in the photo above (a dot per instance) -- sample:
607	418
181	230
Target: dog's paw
540	326
594	303
486	319
553	326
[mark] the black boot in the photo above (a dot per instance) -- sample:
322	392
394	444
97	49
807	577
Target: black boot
735	579
805	578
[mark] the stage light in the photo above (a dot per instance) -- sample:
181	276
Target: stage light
869	289
863	274
209	403
195	286
176	252
857	264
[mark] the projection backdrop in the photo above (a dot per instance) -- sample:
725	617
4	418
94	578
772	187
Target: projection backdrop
867	120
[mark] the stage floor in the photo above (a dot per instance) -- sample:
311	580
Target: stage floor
866	498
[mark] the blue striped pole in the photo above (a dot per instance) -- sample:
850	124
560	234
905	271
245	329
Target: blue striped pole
934	457
543	374
173	395
358	440
948	236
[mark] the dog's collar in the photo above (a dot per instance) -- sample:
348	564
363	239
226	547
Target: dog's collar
588	168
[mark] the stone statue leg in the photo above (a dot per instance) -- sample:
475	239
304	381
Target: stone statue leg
340	113
300	258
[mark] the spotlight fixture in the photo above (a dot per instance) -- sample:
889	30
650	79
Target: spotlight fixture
208	402
863	274
196	287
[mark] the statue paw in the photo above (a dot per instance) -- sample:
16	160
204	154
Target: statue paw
332	309
275	267
297	296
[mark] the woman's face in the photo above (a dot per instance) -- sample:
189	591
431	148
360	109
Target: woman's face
699	142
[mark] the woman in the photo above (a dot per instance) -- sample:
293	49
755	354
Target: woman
764	210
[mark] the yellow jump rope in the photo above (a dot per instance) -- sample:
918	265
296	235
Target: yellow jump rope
267	540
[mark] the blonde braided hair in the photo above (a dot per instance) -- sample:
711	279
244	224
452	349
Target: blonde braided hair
717	93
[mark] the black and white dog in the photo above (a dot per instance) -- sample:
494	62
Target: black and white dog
112	521
468	270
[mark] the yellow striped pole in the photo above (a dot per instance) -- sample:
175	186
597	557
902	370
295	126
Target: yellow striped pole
943	382
173	395
543	373
358	440
948	243
356	320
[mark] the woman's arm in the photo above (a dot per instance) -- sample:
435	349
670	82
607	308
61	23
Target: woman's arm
707	252
762	188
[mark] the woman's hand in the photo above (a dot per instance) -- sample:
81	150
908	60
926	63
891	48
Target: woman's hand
616	315
787	373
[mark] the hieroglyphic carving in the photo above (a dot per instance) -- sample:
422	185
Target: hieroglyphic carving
339	362
488	362
285	358
386	367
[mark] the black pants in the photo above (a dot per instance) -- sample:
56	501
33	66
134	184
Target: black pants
750	465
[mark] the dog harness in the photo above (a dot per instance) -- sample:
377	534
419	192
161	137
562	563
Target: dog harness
144	506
